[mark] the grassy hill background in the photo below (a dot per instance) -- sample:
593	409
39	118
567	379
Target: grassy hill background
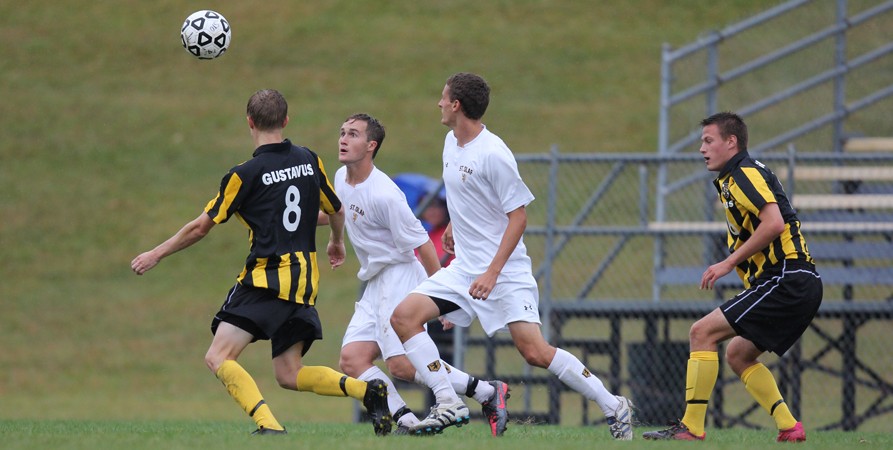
113	137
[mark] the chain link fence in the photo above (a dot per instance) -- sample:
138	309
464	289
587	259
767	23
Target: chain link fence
619	289
619	241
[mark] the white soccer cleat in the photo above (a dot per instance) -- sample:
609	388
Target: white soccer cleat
440	417
622	422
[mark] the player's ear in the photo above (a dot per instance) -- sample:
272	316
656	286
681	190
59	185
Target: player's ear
250	122
285	122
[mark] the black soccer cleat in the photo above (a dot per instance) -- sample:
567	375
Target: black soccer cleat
376	402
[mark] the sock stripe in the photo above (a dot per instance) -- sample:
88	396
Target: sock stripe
471	387
343	384
404	410
258	405
772	409
697	402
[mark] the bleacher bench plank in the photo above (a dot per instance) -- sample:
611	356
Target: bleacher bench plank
810	227
842	250
863	173
868	144
838	276
843	201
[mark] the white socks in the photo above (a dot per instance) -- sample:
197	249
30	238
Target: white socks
481	390
424	356
573	373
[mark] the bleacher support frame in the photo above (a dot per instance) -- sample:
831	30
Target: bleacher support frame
655	314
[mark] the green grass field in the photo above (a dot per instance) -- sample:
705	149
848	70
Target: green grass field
229	435
114	137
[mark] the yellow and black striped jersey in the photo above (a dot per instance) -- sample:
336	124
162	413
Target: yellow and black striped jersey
745	185
277	194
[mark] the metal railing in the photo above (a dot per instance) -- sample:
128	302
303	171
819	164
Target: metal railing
598	254
591	234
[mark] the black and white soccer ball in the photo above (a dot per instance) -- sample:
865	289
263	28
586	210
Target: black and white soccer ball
206	34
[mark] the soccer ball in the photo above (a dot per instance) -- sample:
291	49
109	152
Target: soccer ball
205	34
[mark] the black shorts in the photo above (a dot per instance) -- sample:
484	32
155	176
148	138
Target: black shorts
778	307
266	316
444	306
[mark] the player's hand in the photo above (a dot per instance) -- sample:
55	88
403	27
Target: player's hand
336	254
482	286
714	273
446	324
145	261
447	242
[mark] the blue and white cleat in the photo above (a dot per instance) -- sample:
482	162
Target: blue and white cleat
440	417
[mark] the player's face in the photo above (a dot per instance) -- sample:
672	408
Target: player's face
352	145
448	108
716	150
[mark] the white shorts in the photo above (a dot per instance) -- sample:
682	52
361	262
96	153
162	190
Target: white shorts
514	299
371	319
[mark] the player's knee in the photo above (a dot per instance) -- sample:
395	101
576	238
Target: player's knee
400	321
285	382
698	335
534	355
287	379
734	362
737	363
213	361
401	368
739	360
348	364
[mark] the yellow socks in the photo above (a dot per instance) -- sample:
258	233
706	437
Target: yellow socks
758	380
700	378
244	391
325	381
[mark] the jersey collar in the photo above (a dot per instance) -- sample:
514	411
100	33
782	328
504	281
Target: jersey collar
732	163
284	145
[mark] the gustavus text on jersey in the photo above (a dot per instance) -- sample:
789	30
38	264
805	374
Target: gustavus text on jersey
290	173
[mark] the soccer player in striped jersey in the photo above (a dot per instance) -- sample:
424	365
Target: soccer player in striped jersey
277	195
385	233
782	289
491	278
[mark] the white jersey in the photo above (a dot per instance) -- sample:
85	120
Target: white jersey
380	224
482	186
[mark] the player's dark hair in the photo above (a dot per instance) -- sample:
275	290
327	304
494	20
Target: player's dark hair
374	130
729	124
472	92
268	109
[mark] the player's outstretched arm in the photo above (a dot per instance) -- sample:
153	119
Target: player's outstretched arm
191	233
